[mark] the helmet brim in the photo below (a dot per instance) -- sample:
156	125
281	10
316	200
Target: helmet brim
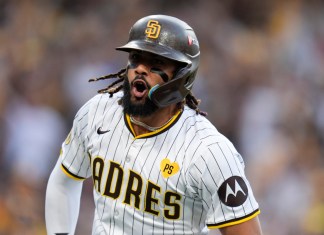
154	48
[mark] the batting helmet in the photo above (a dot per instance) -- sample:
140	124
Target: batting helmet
171	38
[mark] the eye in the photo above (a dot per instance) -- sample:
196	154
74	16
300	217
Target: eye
134	57
158	62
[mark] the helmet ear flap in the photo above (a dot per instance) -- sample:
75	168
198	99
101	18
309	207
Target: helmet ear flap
174	90
190	80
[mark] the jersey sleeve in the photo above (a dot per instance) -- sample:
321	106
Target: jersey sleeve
75	159
223	188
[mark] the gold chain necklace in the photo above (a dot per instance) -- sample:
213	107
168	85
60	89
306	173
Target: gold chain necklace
147	127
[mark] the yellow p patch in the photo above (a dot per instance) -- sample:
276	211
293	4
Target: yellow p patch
168	169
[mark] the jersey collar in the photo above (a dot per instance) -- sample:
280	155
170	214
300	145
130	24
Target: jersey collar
153	133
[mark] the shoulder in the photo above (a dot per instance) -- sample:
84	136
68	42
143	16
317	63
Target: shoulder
211	144
199	125
99	103
96	108
104	99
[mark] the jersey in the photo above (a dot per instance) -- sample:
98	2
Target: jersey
175	180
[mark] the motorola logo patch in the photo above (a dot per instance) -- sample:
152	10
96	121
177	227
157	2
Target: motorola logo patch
233	191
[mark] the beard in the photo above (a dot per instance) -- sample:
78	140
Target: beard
144	109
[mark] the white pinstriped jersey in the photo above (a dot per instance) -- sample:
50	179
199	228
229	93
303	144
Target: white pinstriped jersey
176	180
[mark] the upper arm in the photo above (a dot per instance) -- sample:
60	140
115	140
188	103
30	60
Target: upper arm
223	187
62	201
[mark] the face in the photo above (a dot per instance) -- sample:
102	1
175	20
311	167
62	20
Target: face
145	70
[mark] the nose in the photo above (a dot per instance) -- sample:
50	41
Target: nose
142	68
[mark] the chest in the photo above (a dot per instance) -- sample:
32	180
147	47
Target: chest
158	159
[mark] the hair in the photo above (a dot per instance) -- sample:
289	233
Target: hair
117	85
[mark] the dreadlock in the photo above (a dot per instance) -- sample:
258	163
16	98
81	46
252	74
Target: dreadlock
113	88
193	103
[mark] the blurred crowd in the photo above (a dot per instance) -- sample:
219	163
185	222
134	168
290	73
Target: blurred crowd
261	80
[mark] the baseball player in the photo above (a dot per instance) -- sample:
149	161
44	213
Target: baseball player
158	165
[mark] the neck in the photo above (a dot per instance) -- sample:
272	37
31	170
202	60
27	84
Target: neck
160	118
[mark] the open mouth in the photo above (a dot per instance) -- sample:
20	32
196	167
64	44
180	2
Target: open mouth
139	88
